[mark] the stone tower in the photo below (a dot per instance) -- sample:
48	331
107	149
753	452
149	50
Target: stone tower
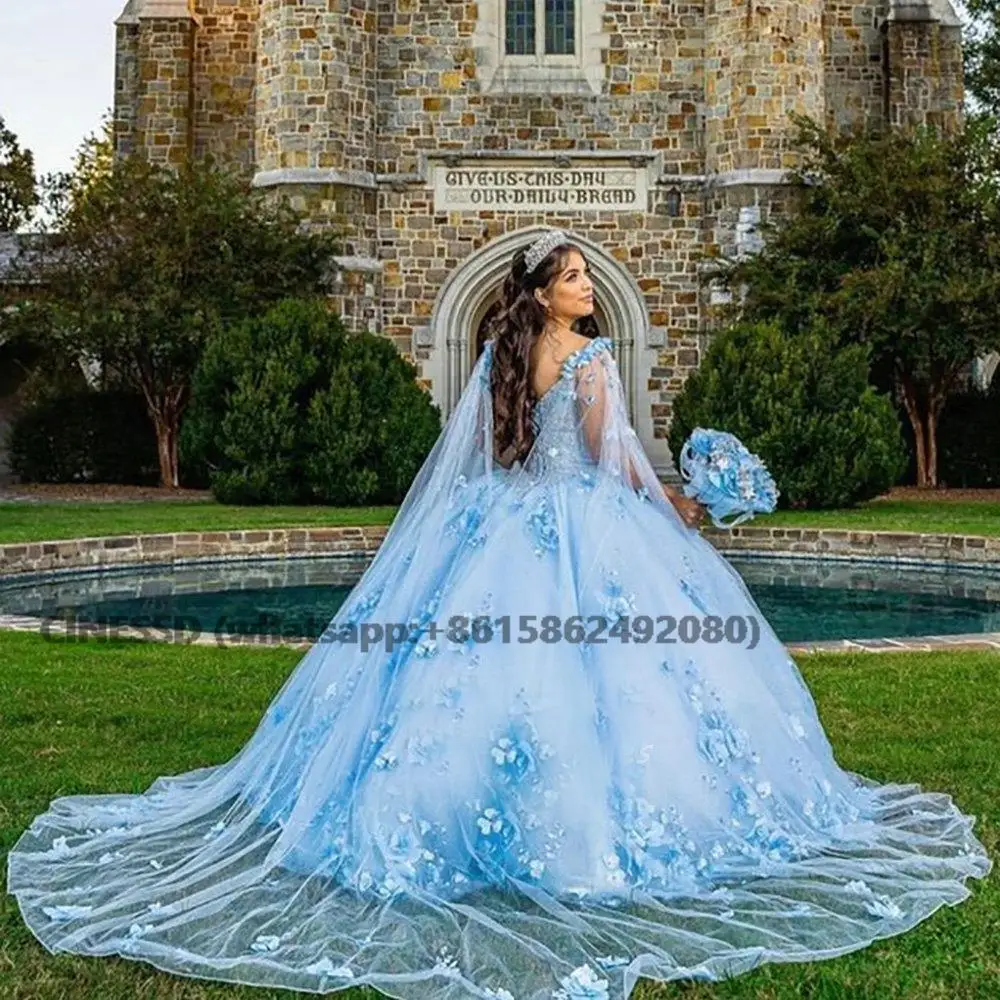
923	46
437	136
763	60
154	80
185	79
316	125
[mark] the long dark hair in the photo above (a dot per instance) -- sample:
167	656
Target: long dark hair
516	327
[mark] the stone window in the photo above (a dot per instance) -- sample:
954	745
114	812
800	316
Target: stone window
541	46
557	19
560	27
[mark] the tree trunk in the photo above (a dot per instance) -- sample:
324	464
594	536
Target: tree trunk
165	410
939	393
924	422
912	405
166	445
932	461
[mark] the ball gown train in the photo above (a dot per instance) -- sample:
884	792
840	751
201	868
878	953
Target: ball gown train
547	810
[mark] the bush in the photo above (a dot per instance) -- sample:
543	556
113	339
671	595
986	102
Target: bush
85	436
288	408
803	404
969	439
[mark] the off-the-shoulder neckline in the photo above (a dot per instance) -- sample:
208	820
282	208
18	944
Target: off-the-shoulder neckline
564	368
590	345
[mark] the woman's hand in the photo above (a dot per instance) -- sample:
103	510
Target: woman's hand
689	509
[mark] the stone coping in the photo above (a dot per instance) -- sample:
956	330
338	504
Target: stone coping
190	546
127	550
137	550
831	543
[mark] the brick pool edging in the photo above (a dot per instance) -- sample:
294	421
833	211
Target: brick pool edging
897	546
188	546
136	550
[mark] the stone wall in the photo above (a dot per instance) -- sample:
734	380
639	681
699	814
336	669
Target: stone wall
853	63
225	77
435	97
421	248
347	106
72	555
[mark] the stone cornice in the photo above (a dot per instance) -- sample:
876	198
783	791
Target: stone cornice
149	9
314	175
130	14
156	10
924	11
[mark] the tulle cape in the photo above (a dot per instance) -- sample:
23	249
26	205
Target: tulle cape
444	820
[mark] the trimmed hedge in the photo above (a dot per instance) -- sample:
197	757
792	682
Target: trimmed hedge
85	436
968	440
289	408
803	404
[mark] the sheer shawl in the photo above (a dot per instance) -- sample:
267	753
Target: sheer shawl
460	481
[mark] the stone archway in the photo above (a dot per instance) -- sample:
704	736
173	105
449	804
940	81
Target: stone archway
467	295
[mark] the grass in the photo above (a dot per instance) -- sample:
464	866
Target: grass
95	717
951	517
43	522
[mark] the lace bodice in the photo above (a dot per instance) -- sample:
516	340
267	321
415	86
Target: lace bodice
560	447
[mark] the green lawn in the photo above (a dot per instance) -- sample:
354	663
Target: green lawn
37	522
947	517
44	521
97	717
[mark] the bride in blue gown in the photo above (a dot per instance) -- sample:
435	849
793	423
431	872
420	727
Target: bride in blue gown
547	746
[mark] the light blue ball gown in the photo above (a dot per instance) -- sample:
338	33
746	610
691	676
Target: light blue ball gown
555	818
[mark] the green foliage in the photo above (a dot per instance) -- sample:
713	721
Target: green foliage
981	51
893	242
95	159
18	192
803	404
85	436
969	438
147	260
289	408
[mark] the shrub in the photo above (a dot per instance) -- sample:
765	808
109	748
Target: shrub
969	438
289	408
803	404
85	436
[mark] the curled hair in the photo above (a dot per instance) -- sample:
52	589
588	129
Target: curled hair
518	324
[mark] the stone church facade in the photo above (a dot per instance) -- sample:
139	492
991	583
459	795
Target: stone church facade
437	136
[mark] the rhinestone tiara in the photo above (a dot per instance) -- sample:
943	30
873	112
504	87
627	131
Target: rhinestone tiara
542	247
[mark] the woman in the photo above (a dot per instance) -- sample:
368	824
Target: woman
549	745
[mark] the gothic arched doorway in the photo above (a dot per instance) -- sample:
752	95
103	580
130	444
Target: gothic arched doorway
456	332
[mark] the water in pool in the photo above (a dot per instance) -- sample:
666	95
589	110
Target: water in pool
804	600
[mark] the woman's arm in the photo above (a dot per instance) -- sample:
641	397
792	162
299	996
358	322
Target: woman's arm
595	397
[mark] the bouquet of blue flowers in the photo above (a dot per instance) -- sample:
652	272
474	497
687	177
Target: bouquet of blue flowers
726	478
